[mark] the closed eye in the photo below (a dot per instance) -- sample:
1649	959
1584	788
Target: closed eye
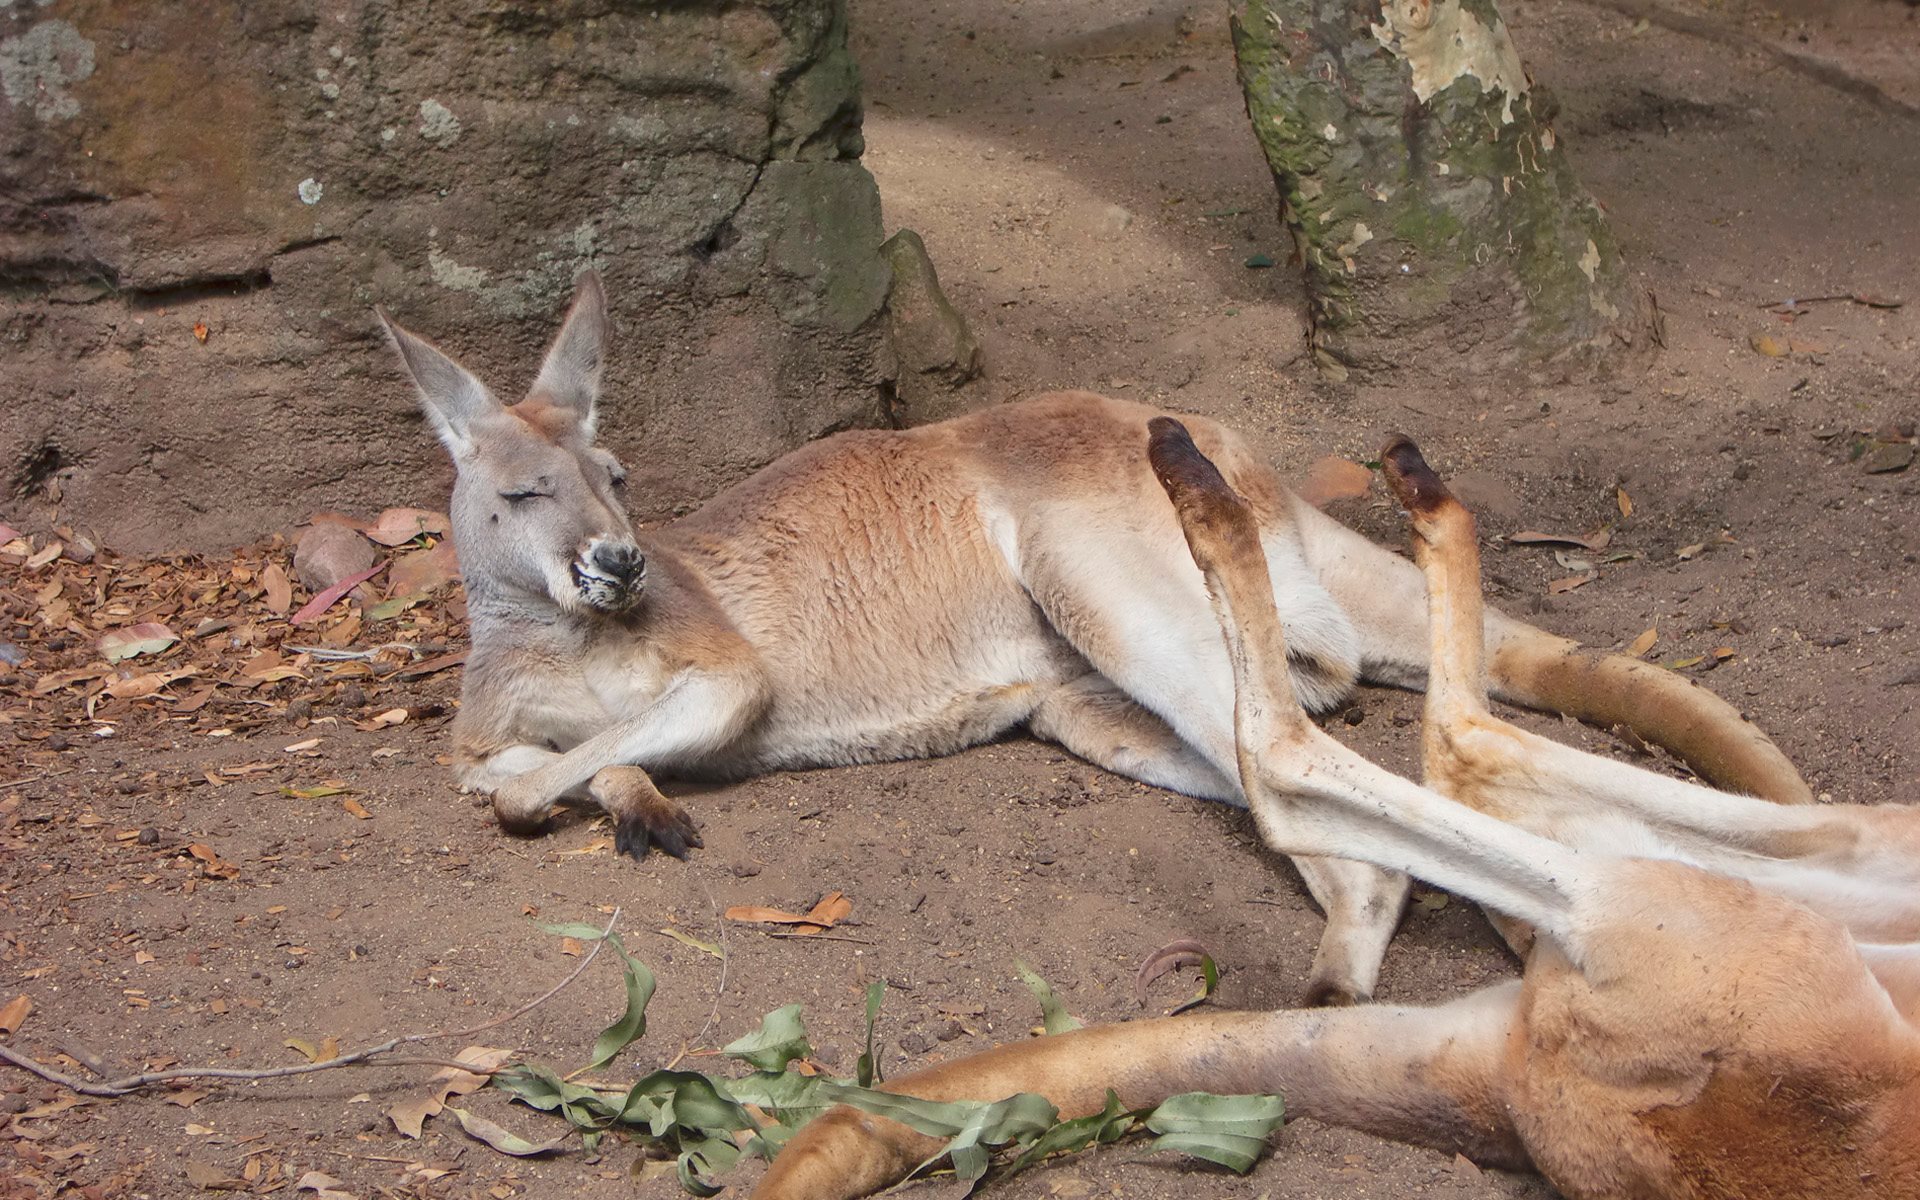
520	494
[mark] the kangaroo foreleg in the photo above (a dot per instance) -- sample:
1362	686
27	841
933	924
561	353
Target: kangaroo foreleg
1430	1076
642	817
697	714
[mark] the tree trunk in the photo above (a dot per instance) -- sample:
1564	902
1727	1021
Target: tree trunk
1431	205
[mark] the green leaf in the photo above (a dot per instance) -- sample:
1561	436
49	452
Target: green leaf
386	610
781	1038
867	1070
1209	980
1229	1130
1109	1124
1054	1015
632	1024
692	1101
1020	1118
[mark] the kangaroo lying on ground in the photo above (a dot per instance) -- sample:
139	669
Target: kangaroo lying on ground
1721	1003
900	594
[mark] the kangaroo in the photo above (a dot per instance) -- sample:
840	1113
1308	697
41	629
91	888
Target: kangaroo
906	593
1722	997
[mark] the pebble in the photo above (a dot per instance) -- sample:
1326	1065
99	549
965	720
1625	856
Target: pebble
300	710
352	697
915	1043
149	836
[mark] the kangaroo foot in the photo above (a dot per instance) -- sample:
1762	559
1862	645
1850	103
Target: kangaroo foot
643	818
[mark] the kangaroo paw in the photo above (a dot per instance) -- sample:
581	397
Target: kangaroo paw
643	818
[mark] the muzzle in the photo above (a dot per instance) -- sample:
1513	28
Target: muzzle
610	573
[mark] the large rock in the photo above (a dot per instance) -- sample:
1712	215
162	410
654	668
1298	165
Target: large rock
262	174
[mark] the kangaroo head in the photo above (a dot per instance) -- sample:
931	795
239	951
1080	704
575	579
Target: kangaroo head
536	510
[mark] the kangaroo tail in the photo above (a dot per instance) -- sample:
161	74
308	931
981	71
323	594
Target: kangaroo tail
1385	596
1532	667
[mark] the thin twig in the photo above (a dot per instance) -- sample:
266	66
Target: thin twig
822	937
25	779
363	1057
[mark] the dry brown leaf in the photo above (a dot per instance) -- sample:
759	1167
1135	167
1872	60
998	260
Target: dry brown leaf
830	908
15	1012
1623	501
355	809
323	1186
1686	553
1599	539
139	687
148	637
1771	344
1643	643
279	589
200	332
1332	478
1571	582
211	1178
327	1050
422	571
393	716
398	526
409	1115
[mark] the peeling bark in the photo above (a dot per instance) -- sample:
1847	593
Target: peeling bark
1431	205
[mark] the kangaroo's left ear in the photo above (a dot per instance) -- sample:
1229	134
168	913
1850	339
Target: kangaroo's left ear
570	376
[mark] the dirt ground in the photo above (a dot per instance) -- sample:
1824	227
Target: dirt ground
1085	182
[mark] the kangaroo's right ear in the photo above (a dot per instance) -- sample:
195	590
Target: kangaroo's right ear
452	397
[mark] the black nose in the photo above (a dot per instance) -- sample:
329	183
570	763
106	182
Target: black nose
619	560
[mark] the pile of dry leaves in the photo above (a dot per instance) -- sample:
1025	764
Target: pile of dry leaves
96	645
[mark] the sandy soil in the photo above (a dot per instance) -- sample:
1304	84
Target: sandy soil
1085	181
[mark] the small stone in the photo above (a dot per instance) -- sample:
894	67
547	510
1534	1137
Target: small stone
915	1043
14	1102
127	787
953	1030
1888	457
745	870
300	710
149	836
352	697
328	553
1354	715
58	741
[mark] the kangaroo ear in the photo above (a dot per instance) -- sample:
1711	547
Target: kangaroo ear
452	397
571	373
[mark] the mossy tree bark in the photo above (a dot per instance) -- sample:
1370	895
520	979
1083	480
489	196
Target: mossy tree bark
1430	202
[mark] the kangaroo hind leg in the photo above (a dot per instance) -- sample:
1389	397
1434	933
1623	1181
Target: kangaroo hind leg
1097	721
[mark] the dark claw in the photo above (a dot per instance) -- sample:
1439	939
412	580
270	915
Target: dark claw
630	839
676	836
